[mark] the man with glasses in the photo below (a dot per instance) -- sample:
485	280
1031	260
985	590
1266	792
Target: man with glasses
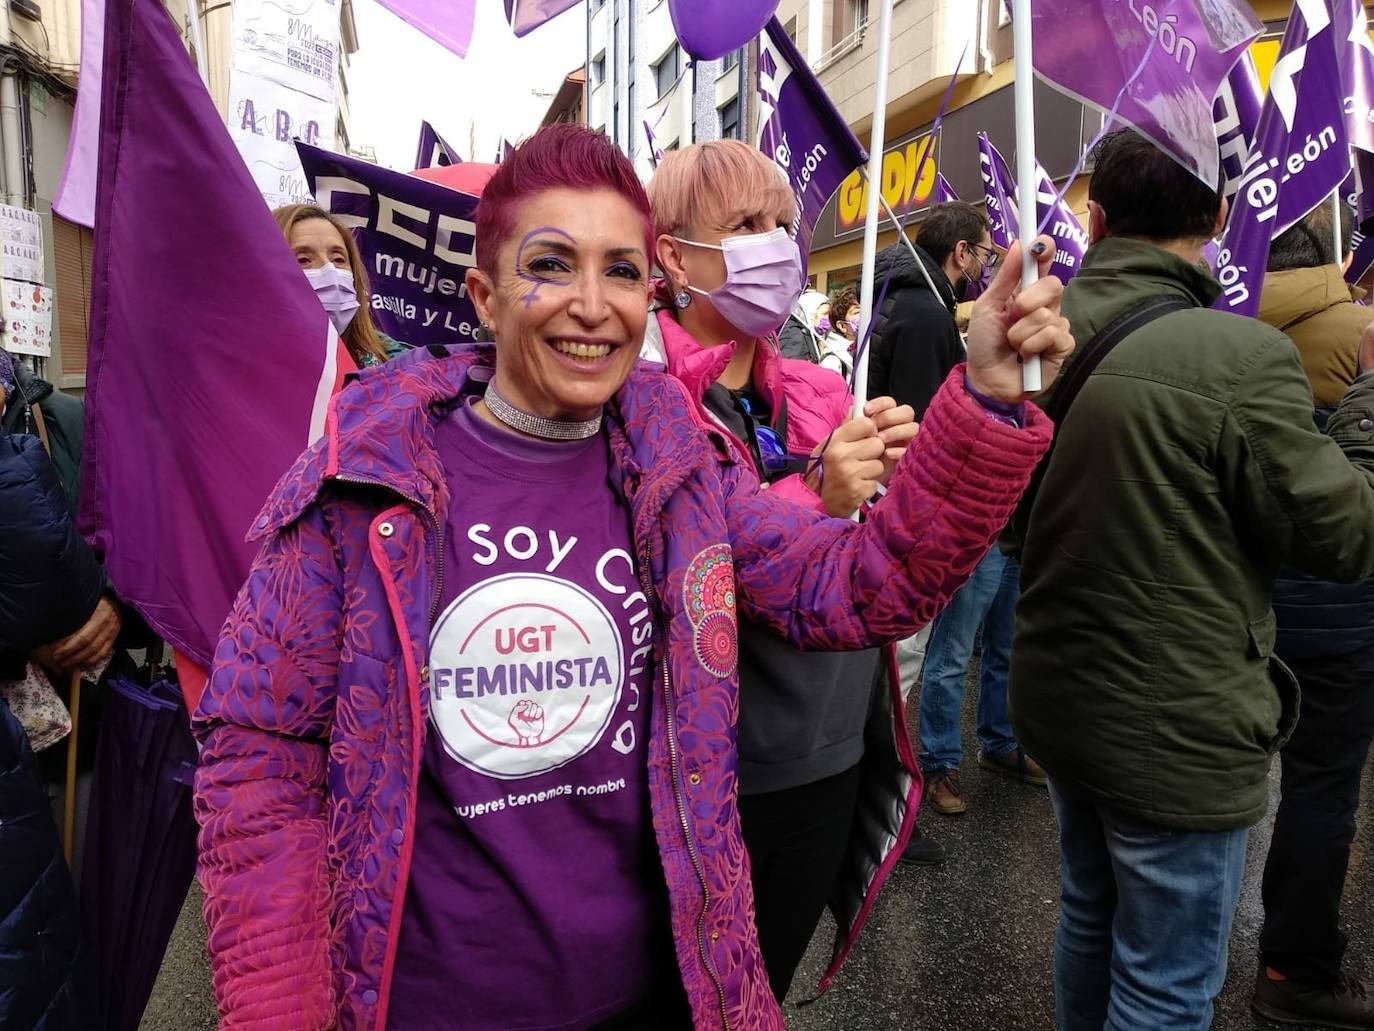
916	342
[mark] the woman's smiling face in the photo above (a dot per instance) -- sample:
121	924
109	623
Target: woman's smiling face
568	301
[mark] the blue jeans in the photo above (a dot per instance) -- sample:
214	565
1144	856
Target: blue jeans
987	599
1145	915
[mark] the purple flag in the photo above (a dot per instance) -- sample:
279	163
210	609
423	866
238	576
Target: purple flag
999	192
999	187
1157	67
1300	155
944	193
503	150
185	432
75	200
1361	258
800	129
655	151
447	22
527	15
434	151
416	238
1355	56
708	29
1235	117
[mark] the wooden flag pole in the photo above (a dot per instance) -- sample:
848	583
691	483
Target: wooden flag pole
1025	160
69	804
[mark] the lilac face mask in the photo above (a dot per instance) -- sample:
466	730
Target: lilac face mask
763	280
334	287
823	326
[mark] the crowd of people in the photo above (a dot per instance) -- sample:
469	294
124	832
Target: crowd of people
569	687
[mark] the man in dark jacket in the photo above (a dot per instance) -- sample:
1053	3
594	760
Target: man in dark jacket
915	337
1326	637
63	418
50	588
915	343
1186	472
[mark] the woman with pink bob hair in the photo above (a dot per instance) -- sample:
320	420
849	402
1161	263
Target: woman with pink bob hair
469	737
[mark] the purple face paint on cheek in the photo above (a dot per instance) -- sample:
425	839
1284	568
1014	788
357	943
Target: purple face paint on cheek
523	272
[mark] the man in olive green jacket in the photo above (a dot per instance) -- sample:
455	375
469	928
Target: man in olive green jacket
1143	680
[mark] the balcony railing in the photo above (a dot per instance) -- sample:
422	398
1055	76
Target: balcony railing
850	42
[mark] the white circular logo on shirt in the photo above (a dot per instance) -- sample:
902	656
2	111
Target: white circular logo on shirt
525	673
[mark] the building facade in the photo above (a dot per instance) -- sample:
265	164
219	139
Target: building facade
638	75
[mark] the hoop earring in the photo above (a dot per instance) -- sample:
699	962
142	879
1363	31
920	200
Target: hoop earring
682	299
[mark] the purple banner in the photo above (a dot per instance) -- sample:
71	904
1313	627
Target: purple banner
416	239
447	22
708	29
1235	117
999	189
944	193
1156	66
800	129
527	15
1361	258
434	151
184	438
75	200
1300	155
1355	56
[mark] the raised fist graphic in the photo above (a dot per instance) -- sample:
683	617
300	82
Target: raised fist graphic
527	720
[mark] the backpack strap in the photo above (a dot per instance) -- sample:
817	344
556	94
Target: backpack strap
1085	362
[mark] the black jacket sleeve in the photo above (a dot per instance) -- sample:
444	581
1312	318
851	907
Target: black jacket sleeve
796	341
922	344
50	579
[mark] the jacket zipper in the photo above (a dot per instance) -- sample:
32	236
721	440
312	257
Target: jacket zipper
675	775
434	523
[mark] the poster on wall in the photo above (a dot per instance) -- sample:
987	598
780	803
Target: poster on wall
281	89
28	317
21	244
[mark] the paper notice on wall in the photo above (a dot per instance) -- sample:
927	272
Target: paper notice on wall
281	89
28	317
21	244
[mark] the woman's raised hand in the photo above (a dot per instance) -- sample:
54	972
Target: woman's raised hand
1010	324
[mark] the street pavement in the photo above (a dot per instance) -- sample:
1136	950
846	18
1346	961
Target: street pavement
963	947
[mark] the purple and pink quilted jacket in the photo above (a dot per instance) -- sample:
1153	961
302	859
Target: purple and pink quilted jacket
315	714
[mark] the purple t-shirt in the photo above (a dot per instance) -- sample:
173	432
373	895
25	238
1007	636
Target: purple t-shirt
536	896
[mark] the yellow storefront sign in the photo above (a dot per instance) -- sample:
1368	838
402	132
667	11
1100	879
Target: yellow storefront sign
901	188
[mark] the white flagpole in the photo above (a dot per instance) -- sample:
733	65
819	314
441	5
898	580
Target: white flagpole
875	179
1026	211
1336	235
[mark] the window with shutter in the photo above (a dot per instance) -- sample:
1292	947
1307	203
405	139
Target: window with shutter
72	255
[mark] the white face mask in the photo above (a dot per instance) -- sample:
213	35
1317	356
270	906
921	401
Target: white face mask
334	287
763	280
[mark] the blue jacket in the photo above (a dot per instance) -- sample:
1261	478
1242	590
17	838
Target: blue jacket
50	580
39	932
1319	618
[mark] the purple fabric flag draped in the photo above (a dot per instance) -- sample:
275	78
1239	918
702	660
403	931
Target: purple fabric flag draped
527	15
1157	67
1300	155
708	29
210	365
800	129
1355	55
944	193
1235	117
433	150
999	189
1362	258
416	239
447	22
75	200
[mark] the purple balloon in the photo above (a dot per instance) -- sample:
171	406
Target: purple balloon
708	29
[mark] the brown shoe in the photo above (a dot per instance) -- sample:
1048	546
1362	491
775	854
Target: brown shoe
1015	763
944	793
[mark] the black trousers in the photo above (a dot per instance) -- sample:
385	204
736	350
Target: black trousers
796	841
1304	875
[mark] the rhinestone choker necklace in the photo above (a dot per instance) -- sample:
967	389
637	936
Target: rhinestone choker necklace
537	425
